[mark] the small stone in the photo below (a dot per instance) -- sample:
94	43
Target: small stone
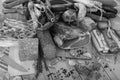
110	69
106	66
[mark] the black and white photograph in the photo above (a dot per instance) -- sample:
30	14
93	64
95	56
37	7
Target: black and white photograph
59	39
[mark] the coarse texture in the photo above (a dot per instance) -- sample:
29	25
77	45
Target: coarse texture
47	44
16	29
28	49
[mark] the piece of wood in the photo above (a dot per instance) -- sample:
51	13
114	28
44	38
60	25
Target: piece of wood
47	44
11	3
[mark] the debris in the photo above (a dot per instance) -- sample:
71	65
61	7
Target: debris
43	29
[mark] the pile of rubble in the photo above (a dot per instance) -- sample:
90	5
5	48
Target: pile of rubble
33	31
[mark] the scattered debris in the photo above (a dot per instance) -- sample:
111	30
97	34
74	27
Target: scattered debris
36	30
